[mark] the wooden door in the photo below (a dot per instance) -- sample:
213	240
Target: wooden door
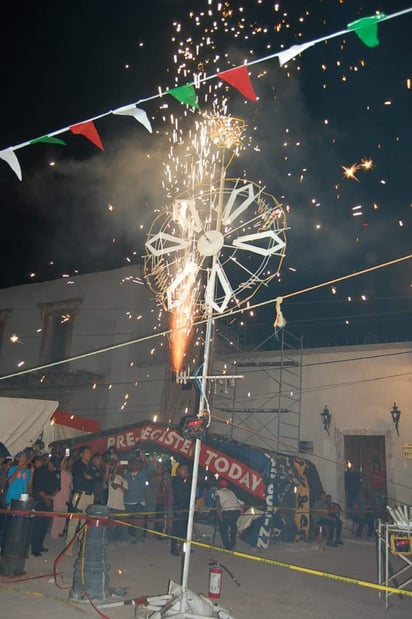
367	456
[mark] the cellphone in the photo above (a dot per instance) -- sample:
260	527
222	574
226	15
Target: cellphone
67	452
125	462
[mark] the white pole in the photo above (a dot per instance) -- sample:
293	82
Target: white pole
198	444
196	458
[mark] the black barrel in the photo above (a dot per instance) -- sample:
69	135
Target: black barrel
17	536
91	569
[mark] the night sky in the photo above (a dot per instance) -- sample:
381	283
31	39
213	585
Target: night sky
338	104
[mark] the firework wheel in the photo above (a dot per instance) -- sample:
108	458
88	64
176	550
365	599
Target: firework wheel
215	247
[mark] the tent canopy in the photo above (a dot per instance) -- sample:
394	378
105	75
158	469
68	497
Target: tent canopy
23	420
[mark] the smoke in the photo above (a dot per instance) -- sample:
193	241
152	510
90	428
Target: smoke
94	213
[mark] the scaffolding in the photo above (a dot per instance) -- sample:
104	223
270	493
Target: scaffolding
264	409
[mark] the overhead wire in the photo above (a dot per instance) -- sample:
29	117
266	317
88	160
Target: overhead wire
203	321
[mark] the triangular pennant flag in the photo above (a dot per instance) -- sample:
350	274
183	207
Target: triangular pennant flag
367	29
89	131
139	114
239	79
49	139
8	155
185	94
292	52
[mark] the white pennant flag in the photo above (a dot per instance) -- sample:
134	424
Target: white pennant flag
8	155
139	114
292	52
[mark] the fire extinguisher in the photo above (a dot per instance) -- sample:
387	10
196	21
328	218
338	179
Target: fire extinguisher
215	580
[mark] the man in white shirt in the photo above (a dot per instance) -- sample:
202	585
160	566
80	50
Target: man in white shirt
228	511
115	503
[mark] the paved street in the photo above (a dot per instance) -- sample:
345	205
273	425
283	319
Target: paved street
266	591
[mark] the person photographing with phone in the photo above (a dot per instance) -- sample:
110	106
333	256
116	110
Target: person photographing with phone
117	490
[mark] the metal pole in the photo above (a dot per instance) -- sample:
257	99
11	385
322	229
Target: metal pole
198	444
196	458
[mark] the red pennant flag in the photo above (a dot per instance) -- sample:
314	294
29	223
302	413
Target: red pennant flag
89	131
239	79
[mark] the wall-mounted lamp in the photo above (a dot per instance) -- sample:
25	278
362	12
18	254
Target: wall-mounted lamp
396	414
326	418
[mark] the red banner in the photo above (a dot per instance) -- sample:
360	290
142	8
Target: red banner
170	440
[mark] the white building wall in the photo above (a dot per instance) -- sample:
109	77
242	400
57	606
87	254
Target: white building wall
359	384
114	307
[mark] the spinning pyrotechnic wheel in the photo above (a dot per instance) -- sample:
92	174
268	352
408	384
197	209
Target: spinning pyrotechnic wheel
215	247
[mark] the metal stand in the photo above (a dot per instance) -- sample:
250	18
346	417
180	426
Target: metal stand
387	574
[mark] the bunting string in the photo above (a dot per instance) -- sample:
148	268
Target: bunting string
238	77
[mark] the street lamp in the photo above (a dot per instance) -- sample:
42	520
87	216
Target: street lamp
326	418
396	414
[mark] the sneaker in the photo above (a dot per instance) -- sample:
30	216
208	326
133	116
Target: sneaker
339	542
330	543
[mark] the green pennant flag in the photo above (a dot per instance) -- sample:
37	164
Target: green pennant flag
184	94
48	139
367	29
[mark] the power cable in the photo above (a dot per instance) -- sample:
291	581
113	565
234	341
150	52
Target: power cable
230	312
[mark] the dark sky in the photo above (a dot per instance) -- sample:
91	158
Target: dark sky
338	104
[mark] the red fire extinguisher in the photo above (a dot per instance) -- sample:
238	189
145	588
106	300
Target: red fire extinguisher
215	580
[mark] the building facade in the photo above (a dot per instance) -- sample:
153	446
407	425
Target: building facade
43	324
331	405
114	334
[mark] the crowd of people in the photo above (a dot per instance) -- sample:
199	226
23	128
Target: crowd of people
142	496
139	492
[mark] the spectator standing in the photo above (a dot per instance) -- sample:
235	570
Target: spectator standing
99	474
62	498
18	478
151	492
228	510
376	486
164	501
139	472
46	484
181	501
83	490
353	483
5	463
115	503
